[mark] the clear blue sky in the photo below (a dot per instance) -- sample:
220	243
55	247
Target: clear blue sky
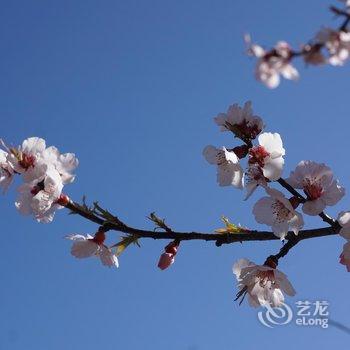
131	87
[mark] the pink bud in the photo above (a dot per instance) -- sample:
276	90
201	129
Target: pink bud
63	200
172	247
165	260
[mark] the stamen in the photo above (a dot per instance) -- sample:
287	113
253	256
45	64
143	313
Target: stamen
312	188
257	155
280	212
26	161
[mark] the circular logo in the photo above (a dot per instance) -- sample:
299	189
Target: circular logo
276	316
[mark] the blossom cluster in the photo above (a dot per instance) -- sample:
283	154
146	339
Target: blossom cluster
44	171
329	46
265	162
264	153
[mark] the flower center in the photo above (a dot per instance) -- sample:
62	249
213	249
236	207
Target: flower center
257	155
26	161
255	174
99	237
312	188
264	277
280	212
248	131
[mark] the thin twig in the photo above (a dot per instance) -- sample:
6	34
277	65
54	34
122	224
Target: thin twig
219	239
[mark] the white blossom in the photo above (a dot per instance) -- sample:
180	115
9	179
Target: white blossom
337	44
39	198
344	221
278	212
318	184
243	121
65	164
272	64
6	171
87	246
229	171
32	159
268	155
26	159
253	178
345	256
264	285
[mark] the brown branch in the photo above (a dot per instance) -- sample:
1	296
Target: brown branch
283	251
315	46
339	12
219	239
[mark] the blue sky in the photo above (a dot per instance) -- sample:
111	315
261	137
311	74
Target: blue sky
131	87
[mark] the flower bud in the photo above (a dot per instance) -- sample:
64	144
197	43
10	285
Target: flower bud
165	260
99	237
63	200
171	248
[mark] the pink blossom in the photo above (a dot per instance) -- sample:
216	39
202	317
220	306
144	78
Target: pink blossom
241	121
272	64
318	184
263	284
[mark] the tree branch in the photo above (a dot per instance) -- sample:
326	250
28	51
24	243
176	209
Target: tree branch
219	239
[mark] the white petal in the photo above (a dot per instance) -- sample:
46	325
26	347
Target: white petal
210	152
272	142
75	237
296	223
66	164
273	168
239	265
314	208
345	232
220	120
108	258
84	249
257	50
250	188
36	173
33	145
276	194
289	72
284	283
230	174
262	211
333	194
344	218
24	200
280	229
